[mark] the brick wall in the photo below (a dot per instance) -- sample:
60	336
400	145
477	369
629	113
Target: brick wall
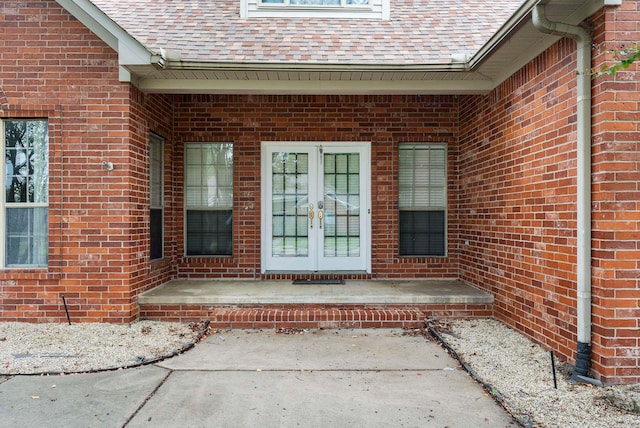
246	121
616	201
518	192
53	67
517	197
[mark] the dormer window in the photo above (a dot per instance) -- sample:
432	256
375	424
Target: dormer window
368	9
321	3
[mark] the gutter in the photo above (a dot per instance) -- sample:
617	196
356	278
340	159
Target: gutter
583	314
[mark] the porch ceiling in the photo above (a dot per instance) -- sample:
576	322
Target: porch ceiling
261	79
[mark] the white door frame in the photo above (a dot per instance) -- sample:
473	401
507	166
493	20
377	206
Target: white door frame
315	262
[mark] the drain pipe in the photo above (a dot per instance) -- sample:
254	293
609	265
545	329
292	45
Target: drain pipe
583	40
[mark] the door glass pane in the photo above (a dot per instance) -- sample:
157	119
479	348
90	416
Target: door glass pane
290	204
341	204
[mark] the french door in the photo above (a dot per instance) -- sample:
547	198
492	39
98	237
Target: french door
316	207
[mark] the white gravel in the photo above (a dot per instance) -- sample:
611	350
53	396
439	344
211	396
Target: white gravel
61	348
520	375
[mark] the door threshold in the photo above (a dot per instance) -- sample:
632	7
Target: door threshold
312	281
316	272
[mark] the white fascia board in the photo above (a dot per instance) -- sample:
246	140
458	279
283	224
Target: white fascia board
130	51
520	19
324	87
503	34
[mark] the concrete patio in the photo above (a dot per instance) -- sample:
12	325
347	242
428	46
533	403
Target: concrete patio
360	292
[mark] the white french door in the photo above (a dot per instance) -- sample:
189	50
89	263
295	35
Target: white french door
316	207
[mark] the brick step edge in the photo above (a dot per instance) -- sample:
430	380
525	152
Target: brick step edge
244	317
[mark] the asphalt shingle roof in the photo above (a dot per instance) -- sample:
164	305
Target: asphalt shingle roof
419	31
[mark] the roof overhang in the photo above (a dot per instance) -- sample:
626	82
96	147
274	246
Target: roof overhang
515	44
130	51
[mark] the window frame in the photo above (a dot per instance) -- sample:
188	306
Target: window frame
203	208
430	207
4	205
156	140
286	4
374	10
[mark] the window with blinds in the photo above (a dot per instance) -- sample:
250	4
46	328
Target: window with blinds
423	199
209	199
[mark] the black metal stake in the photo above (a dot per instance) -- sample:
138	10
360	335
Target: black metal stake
66	310
553	367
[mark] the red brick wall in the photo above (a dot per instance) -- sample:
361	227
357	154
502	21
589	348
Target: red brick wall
517	197
150	113
517	201
616	201
53	67
246	121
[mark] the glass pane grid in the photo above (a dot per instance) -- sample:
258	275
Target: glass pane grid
342	205
290	205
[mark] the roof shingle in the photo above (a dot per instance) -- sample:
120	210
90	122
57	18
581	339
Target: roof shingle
419	31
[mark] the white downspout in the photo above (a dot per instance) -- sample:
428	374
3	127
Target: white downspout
583	40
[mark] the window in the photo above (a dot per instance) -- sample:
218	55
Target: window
423	199
157	197
209	199
335	3
338	9
25	219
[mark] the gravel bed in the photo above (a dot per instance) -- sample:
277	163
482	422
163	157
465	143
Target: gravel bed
61	348
519	374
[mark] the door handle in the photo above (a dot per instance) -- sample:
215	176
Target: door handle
320	217
311	215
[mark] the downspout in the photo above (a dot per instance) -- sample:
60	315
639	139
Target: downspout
583	310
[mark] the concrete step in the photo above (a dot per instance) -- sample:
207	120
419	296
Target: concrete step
281	304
